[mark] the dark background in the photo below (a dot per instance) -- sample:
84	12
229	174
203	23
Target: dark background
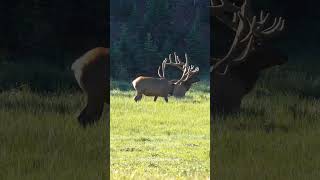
143	33
39	40
301	35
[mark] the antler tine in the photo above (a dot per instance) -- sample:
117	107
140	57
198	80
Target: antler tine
163	65
259	27
189	70
159	74
220	9
235	45
277	27
263	19
176	60
187	61
183	78
170	59
223	6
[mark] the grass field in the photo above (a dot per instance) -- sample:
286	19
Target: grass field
158	140
276	135
40	138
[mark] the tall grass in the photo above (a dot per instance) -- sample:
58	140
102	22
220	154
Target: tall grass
40	138
275	136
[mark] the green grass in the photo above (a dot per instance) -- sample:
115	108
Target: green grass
276	134
158	140
40	138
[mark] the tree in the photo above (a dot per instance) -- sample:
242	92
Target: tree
197	48
151	55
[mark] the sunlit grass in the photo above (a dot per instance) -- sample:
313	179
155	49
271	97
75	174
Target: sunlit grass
159	140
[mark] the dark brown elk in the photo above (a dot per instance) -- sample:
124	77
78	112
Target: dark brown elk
235	73
162	87
92	74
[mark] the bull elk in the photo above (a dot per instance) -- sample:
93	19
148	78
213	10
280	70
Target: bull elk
235	73
92	74
162	87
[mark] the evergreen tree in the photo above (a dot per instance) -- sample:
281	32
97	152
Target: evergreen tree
123	47
151	55
196	47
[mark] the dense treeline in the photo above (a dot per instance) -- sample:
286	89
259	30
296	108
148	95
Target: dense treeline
143	33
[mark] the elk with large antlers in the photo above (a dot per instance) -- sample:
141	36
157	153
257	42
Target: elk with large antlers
235	73
162	87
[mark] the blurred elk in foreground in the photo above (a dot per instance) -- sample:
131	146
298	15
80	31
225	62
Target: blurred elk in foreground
235	73
92	74
162	87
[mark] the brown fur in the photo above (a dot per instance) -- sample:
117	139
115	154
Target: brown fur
92	73
232	80
229	89
150	86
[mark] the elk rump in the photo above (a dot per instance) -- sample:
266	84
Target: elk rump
92	74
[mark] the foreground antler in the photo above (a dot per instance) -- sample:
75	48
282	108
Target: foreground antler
249	33
163	87
235	74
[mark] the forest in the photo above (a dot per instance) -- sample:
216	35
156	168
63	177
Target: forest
143	33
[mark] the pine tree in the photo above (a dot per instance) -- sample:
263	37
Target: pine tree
196	47
151	55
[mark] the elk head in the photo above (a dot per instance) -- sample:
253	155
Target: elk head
163	87
236	73
92	74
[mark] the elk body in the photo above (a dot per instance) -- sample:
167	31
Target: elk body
149	86
235	74
92	74
162	87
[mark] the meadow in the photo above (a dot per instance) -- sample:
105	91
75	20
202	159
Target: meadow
159	140
40	137
276	134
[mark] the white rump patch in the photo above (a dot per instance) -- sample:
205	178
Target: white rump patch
134	83
77	67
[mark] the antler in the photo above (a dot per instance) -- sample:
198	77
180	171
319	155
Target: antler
247	31
177	63
259	29
220	11
188	71
242	42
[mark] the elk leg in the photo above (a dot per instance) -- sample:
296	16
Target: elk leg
155	98
138	97
93	110
166	99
